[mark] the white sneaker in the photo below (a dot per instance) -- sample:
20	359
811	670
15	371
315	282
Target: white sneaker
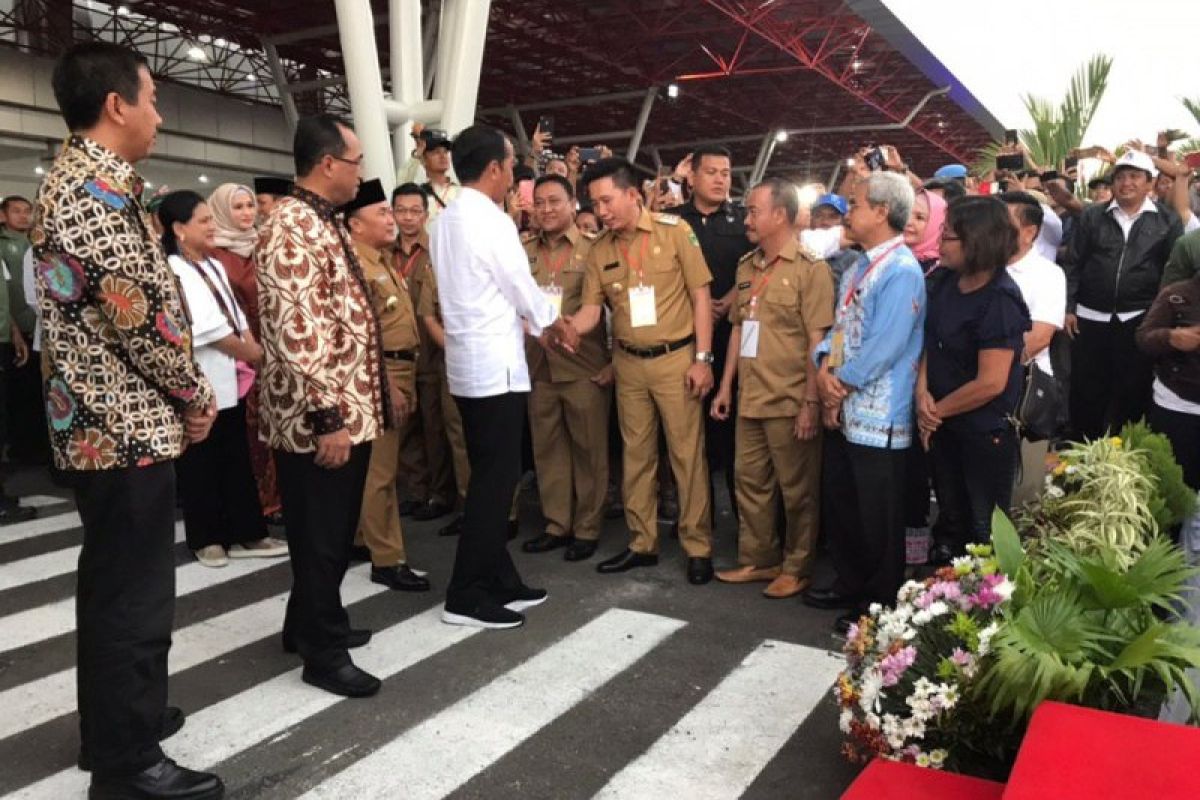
268	547
212	556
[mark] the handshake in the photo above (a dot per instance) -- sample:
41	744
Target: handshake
561	335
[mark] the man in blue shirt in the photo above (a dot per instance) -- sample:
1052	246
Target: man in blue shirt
868	369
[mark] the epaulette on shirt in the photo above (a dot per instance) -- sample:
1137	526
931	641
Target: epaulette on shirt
588	235
807	252
528	237
748	256
666	219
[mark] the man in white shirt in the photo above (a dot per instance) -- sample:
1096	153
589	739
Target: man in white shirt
488	301
430	167
1044	287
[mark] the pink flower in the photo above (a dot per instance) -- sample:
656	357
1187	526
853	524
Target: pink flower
961	657
894	665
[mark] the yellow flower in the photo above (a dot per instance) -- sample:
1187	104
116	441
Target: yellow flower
1060	469
1116	441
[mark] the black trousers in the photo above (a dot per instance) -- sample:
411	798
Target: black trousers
483	569
1183	431
862	495
320	512
124	610
719	444
216	484
29	439
973	473
1110	378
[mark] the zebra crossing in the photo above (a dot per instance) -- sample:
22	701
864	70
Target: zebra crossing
463	713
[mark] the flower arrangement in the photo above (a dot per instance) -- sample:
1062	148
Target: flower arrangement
907	667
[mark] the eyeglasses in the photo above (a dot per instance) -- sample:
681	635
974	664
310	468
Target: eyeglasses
356	162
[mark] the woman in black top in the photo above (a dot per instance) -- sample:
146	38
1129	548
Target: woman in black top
970	379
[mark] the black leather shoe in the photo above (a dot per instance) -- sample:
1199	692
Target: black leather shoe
625	561
410	507
357	638
514	527
454	528
166	780
400	577
828	599
580	550
172	721
544	543
699	571
359	553
347	680
431	510
11	515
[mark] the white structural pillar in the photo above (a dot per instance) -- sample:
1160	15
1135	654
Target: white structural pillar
408	67
639	129
356	30
460	58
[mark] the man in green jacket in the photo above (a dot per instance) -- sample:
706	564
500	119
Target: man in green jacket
1185	259
14	353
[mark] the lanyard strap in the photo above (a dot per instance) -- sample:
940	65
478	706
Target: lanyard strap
760	284
636	266
406	268
546	254
218	295
874	263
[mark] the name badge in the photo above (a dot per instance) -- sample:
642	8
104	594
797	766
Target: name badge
554	294
837	349
642	311
749	348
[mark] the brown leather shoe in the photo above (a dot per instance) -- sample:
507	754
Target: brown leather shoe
748	574
785	586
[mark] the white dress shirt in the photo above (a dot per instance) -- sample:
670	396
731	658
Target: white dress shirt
210	325
1126	222
485	289
1043	285
1050	236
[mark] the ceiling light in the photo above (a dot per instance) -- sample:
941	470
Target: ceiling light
123	11
39	170
196	54
203	179
781	136
148	184
251	77
673	90
220	42
856	65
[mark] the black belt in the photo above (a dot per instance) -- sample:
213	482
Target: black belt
401	355
658	349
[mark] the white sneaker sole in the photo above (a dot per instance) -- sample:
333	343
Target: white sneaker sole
523	605
471	622
274	552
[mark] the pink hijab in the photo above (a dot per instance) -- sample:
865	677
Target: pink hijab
931	240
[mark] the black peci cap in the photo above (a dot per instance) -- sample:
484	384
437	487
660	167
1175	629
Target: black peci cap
369	193
276	186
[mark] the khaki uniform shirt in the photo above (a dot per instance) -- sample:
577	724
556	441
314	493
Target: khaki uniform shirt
788	299
415	267
668	253
389	296
563	265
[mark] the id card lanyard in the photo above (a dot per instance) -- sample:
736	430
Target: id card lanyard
760	285
837	350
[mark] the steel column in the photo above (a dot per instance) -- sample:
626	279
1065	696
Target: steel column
407	67
356	30
639	128
281	84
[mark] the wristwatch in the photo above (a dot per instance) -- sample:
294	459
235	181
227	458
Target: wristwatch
704	357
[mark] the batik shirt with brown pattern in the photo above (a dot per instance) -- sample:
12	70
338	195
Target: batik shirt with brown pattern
117	349
323	364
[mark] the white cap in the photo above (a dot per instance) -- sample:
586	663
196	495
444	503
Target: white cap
1137	160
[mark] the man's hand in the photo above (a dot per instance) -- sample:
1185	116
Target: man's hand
573	161
333	449
197	423
20	348
255	356
721	403
831	416
699	379
606	151
806	421
539	140
419	150
401	407
721	306
564	334
1186	340
928	417
683	170
604	377
831	390
1071	325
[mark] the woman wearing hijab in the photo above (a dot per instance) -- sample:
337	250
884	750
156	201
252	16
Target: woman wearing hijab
234	210
923	235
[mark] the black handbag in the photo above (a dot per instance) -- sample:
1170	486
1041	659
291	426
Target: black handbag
1038	411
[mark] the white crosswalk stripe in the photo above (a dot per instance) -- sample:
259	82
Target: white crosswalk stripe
718	748
40	526
50	565
471	734
42	500
46	698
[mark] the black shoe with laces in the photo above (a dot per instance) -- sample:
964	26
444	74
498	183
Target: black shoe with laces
165	780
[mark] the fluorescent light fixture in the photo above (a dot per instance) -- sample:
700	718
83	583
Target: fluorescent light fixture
672	90
781	136
39	170
197	54
203	179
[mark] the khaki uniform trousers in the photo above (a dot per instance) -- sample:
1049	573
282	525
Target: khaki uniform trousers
650	389
770	459
379	519
458	449
568	423
424	451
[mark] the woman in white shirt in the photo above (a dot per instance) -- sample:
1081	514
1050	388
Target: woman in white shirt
221	513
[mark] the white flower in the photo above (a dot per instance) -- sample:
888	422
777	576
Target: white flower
872	721
844	721
922	760
963	563
1004	589
985	638
938	757
872	683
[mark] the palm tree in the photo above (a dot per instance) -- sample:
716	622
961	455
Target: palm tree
1192	104
1057	130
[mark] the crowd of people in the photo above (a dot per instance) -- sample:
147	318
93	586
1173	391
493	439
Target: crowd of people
322	355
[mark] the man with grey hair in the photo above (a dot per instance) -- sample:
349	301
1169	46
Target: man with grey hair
867	372
782	308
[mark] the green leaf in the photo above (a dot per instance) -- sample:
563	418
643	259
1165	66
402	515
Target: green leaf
1142	651
1006	544
1109	588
